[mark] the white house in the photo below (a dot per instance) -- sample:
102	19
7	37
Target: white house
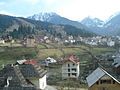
70	37
72	41
66	41
110	43
35	75
70	67
50	60
23	77
2	41
42	82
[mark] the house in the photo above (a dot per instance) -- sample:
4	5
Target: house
12	79
70	67
35	75
21	61
2	41
50	60
39	39
31	61
110	43
116	65
100	79
22	77
29	42
24	61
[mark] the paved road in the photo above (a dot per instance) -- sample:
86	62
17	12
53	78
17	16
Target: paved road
50	88
53	88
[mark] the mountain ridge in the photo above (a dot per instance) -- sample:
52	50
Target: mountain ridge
23	26
110	27
89	24
56	19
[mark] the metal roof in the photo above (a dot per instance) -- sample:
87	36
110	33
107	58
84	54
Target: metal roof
96	75
21	61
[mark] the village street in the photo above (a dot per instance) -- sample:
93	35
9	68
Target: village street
50	88
53	88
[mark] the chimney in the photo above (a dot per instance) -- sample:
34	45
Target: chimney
8	83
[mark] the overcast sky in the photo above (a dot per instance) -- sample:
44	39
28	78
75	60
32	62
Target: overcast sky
72	9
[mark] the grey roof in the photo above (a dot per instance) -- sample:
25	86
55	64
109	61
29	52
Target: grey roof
96	75
2	81
29	70
116	62
19	74
117	65
8	71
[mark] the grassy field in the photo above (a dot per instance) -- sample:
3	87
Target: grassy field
57	52
42	51
10	55
85	60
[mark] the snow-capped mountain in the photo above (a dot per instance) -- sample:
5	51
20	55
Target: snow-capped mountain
95	25
92	22
43	16
19	27
56	19
113	24
108	27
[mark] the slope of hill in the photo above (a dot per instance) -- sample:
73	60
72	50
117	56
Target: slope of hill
95	25
92	22
56	19
23	26
110	28
113	25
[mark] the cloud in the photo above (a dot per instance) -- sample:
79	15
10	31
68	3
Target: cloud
32	2
21	2
7	13
72	9
2	3
50	1
78	9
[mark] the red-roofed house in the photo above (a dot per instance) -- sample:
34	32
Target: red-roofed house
70	67
33	62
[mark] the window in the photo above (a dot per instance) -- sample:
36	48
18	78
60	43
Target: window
69	74
74	69
68	70
74	74
68	65
113	81
97	82
105	81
